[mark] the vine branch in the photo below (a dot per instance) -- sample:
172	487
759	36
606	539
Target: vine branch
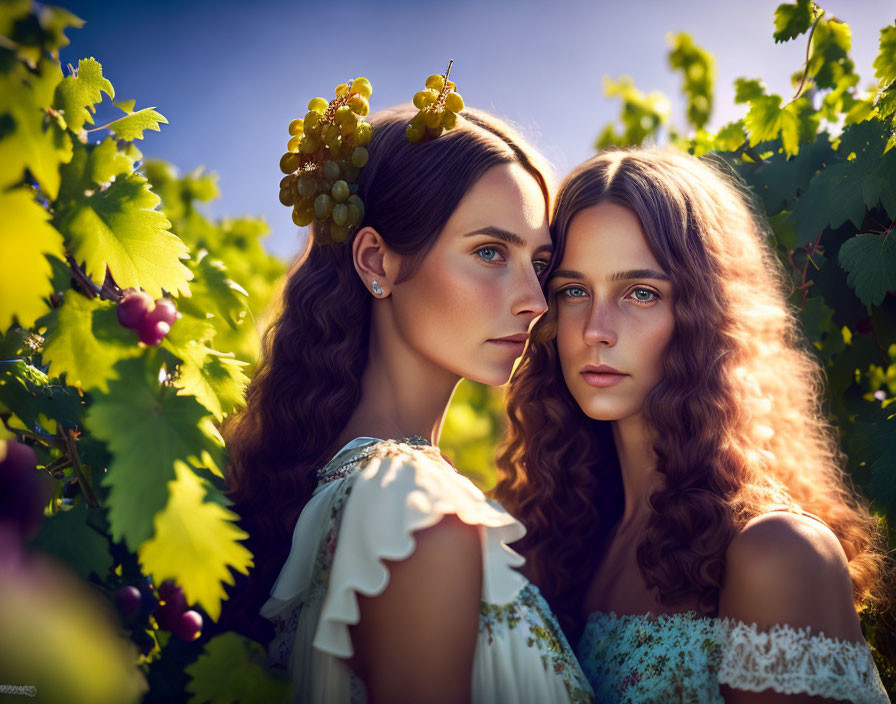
799	90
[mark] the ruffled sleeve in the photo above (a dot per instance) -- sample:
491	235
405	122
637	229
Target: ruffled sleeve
400	490
796	661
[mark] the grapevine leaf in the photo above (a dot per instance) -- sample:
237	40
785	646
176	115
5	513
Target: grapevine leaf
766	119
747	89
25	142
792	20
698	68
147	430
231	669
131	126
26	392
829	60
214	378
818	323
885	63
119	228
76	95
55	20
68	537
84	340
730	136
25	235
91	166
870	261
780	179
213	291
125	105
195	543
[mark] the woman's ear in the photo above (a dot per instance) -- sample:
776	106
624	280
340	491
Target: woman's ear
375	263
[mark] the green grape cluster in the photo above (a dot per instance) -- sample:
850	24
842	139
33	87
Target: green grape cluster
326	151
437	108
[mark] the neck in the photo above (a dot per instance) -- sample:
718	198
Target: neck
402	393
637	463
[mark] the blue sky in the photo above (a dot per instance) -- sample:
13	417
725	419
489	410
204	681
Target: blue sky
229	76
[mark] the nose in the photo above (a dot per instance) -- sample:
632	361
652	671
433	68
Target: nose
529	299
600	328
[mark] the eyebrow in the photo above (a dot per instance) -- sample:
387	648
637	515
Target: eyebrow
506	236
617	276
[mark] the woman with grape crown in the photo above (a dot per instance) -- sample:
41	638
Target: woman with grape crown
687	515
398	585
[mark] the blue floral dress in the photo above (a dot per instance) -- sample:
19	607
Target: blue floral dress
369	500
685	657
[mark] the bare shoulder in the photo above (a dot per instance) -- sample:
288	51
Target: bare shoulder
789	569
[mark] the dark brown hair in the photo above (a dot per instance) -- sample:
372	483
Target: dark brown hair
314	352
737	419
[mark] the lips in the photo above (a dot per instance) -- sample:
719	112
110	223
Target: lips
601	376
513	343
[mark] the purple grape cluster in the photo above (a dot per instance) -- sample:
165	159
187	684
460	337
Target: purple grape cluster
151	319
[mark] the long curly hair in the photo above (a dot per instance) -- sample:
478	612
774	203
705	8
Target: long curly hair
737	421
314	351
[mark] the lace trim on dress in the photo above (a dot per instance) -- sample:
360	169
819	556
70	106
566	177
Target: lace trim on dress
794	660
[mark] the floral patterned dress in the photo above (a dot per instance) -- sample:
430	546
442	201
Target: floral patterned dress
685	657
369	500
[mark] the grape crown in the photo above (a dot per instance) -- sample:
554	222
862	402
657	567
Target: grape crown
437	107
325	153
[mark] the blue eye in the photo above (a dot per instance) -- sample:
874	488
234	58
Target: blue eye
488	254
573	292
644	295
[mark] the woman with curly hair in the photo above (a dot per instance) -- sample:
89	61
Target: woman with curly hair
687	513
385	573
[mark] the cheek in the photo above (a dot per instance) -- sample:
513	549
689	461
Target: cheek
654	342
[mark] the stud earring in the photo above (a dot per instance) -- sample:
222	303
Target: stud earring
376	288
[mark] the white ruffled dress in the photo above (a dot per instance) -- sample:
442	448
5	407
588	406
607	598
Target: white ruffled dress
369	500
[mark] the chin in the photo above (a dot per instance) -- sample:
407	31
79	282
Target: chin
495	376
601	409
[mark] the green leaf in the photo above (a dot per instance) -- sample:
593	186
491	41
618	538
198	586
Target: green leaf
84	340
214	378
213	291
871	263
698	67
76	95
147	429
131	126
780	179
829	60
746	90
818	323
231	670
91	166
125	105
766	119
118	227
26	142
25	237
67	536
885	63
55	20
792	20
195	543
27	392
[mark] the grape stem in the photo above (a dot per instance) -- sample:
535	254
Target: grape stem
71	450
799	91
109	290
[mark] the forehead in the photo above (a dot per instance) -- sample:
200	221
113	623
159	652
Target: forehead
506	195
606	238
